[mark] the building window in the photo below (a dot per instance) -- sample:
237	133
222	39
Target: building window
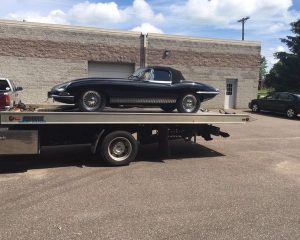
229	89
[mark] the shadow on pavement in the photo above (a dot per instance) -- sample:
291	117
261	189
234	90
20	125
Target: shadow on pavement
179	150
80	156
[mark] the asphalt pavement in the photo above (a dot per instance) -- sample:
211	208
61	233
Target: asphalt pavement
243	187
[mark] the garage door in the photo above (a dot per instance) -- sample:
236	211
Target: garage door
113	70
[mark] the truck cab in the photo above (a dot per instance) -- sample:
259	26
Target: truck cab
9	95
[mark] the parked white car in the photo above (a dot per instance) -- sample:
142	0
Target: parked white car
9	95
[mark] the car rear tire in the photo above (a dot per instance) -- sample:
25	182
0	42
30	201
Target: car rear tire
188	103
168	108
291	113
118	148
255	107
92	101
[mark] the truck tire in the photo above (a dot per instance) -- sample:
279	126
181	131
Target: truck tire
118	148
188	103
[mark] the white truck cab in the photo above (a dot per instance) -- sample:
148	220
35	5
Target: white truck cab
9	95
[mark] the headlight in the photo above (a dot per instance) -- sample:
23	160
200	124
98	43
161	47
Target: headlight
62	87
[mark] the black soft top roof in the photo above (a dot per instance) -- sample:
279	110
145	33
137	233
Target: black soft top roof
176	75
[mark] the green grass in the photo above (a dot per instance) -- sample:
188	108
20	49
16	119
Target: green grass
263	92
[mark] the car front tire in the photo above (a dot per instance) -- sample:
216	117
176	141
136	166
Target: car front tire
188	103
291	113
255	107
91	101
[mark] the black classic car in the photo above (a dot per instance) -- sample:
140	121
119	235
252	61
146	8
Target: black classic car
150	86
281	102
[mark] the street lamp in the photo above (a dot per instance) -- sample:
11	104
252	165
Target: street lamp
243	20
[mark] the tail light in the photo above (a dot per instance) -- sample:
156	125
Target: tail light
4	100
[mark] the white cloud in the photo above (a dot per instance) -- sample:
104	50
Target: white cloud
55	16
275	14
96	13
86	13
147	28
144	11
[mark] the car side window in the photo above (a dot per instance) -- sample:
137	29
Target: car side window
285	97
162	75
269	97
3	85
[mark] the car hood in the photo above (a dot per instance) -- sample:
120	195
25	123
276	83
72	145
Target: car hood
66	84
200	85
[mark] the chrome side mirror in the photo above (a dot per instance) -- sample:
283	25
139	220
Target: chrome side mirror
7	88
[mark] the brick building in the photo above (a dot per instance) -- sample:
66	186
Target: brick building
38	56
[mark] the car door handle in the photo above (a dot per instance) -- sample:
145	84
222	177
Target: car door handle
2	138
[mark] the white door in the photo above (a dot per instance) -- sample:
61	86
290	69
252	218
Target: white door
230	94
110	70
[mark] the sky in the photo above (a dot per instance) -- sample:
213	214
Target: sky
269	19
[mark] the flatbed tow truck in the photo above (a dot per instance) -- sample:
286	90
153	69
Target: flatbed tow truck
114	136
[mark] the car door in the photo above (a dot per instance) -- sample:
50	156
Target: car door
157	83
284	100
267	102
14	93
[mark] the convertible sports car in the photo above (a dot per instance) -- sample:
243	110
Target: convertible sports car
150	86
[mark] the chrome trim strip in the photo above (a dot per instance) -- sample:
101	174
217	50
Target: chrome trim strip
120	100
154	81
203	92
58	96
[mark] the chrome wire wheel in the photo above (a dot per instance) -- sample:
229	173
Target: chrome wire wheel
119	149
91	100
189	103
290	113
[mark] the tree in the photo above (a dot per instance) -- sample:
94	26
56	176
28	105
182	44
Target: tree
285	74
262	70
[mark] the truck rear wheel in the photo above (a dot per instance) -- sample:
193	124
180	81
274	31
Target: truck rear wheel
118	148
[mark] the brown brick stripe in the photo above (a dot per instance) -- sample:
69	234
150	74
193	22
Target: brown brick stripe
68	50
207	59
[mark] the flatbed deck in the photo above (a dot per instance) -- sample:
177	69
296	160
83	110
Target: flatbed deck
49	117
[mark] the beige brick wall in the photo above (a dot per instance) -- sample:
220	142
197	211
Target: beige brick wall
38	56
39	75
210	61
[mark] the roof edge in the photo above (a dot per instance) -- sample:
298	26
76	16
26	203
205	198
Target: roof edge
132	33
66	27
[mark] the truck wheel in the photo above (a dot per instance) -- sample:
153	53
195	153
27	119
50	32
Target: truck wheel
188	103
255	107
119	148
291	113
168	108
92	101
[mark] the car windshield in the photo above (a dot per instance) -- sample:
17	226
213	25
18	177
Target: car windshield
138	74
298	96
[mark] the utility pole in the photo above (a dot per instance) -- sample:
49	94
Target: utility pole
243	20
